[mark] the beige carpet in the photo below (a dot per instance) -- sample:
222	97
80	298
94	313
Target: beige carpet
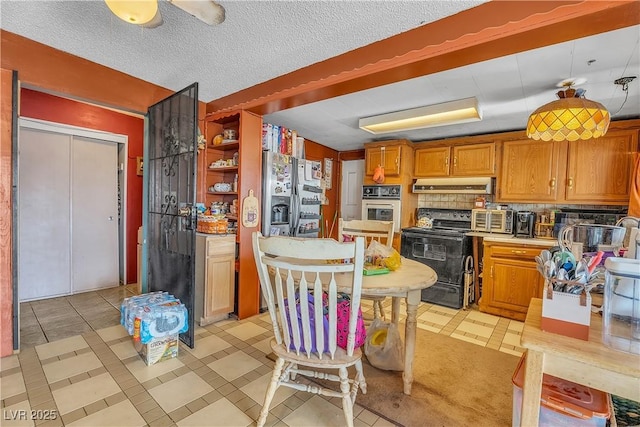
455	384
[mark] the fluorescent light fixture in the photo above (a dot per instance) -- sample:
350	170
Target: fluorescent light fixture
448	113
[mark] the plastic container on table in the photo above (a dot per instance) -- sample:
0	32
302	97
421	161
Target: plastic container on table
562	402
621	309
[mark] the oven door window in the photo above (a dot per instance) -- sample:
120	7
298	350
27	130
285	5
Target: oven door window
377	214
445	254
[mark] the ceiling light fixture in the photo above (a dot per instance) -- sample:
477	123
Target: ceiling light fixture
570	118
448	113
134	11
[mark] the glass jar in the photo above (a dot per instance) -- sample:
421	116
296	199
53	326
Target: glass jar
621	310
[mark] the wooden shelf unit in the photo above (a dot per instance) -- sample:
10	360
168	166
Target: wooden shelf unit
248	127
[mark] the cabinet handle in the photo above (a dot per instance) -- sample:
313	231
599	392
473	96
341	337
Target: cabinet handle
491	271
570	183
455	160
552	184
518	252
446	161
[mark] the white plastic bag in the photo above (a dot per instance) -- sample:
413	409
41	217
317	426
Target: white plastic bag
383	346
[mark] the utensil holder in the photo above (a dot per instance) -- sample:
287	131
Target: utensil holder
564	313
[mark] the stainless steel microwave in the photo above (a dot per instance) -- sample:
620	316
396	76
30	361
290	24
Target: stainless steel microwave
493	220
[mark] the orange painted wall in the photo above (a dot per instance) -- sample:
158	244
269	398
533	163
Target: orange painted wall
6	289
317	152
39	105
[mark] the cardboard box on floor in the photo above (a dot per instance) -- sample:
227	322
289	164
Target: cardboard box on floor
158	349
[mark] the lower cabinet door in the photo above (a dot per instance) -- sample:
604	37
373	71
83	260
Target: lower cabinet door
219	289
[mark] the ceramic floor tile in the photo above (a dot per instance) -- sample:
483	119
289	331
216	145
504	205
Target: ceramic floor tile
446	310
9	362
483	317
208	345
56	348
12	385
511	339
121	414
264	345
113	332
124	350
144	373
469	339
234	365
246	330
221	413
257	389
17	415
437	318
66	368
475	329
315	412
180	391
515	325
84	393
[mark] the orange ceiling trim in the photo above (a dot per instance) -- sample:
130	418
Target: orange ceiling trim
488	31
41	66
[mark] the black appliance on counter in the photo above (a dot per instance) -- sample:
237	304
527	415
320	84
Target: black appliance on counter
444	246
525	224
568	216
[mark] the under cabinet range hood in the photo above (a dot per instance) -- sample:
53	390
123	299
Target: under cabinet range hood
479	185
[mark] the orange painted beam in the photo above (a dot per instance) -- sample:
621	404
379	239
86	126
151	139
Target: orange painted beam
488	31
61	73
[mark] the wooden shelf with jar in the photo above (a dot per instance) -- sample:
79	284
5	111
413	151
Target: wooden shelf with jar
544	230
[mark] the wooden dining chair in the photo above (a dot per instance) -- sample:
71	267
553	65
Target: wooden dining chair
295	276
382	231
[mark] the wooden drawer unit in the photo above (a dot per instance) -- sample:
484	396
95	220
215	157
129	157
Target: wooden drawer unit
510	279
215	277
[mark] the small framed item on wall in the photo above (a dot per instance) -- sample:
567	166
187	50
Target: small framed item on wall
328	172
139	166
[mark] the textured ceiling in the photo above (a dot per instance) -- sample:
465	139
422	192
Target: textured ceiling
260	40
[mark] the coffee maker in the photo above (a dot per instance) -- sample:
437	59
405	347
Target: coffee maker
525	224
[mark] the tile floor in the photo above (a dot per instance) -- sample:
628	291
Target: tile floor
94	377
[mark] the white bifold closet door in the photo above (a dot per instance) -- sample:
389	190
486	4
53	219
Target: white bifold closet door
67	214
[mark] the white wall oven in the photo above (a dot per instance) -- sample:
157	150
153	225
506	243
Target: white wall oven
382	203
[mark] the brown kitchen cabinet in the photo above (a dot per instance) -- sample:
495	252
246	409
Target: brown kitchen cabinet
387	156
510	279
595	171
457	160
215	277
248	127
600	170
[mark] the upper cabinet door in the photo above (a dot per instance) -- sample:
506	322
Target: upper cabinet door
474	160
530	171
387	157
599	170
431	162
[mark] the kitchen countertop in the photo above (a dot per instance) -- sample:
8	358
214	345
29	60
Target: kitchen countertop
507	238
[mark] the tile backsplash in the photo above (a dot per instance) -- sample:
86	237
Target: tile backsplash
466	201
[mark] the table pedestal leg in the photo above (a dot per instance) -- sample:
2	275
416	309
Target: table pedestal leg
413	299
532	388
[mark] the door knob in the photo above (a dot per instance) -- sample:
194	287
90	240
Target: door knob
110	218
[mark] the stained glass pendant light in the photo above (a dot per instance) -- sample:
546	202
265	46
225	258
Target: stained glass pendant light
570	118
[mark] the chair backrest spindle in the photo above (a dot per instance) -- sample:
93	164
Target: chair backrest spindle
303	273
